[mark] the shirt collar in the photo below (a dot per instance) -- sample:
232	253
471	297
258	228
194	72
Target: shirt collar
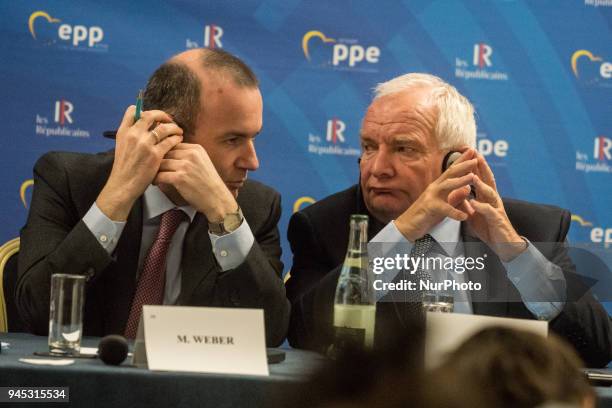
157	203
447	234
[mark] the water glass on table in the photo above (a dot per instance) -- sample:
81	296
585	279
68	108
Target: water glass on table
66	314
438	302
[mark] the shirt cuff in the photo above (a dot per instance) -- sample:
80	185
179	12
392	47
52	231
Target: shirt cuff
390	234
106	231
387	242
232	249
541	283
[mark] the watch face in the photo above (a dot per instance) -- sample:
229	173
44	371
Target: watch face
232	222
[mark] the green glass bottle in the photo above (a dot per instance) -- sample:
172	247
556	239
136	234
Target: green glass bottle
354	305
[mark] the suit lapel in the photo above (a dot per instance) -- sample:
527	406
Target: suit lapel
197	263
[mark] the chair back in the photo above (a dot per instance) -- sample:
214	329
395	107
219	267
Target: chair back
9	316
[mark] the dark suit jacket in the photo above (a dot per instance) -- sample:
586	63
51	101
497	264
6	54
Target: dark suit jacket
319	238
56	240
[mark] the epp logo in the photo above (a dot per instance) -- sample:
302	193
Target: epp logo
605	69
342	52
602	148
482	55
335	131
597	235
75	34
63	111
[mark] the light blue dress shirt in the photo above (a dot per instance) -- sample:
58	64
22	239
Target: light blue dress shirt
534	276
230	250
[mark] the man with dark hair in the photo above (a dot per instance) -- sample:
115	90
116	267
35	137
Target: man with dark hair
160	220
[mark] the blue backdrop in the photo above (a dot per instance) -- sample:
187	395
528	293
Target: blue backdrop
538	72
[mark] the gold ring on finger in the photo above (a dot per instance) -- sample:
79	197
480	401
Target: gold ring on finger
155	135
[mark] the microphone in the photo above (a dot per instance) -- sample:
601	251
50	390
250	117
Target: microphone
113	349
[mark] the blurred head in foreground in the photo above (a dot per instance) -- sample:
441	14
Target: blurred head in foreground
513	368
389	376
497	367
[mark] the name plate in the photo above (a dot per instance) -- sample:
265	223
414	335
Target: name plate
205	339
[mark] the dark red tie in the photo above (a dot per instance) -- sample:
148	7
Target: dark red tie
152	280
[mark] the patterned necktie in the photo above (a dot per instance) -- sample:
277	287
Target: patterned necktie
414	298
152	280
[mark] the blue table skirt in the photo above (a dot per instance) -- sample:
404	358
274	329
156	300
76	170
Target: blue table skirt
93	384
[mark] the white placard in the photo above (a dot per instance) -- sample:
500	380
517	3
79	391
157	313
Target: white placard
446	331
205	339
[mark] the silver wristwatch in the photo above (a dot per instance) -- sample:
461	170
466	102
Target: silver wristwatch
230	223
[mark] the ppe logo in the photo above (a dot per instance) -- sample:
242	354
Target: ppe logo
211	39
480	68
488	147
346	53
590	68
42	27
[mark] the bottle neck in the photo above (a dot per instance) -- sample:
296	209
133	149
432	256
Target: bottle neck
358	237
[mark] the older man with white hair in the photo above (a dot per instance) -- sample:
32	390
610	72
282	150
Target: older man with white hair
414	122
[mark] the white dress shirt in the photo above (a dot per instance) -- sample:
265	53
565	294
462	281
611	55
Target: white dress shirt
534	276
230	250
